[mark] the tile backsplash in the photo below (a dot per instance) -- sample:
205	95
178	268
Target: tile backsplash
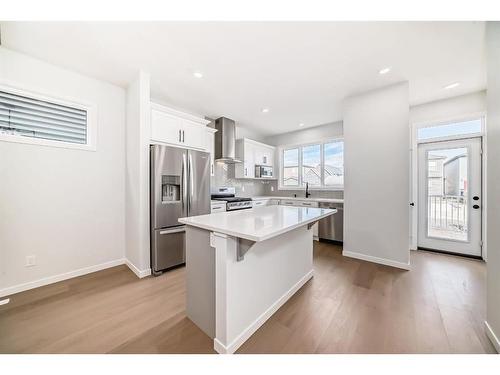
224	176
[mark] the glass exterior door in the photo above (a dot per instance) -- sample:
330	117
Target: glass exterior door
450	196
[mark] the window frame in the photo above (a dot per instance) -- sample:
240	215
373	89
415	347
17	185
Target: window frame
300	146
91	130
449	121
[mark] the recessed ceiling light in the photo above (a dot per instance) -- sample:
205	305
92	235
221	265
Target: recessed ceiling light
452	85
198	74
265	110
301	124
384	71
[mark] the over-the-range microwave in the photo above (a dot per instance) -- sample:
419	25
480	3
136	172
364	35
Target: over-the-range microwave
263	171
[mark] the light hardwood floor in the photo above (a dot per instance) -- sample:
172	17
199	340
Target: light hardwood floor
350	306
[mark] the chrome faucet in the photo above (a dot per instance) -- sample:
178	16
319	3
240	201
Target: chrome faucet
307	190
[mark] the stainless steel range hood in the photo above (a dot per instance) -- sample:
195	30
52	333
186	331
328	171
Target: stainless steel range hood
225	141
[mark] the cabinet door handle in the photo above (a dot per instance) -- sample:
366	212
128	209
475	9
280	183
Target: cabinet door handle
179	135
183	136
245	171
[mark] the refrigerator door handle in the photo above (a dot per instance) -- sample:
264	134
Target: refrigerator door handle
191	180
171	231
184	186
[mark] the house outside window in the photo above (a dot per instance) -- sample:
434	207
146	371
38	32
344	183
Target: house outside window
320	164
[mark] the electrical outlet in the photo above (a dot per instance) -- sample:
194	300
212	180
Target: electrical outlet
30	260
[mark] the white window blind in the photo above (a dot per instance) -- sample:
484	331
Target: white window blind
34	118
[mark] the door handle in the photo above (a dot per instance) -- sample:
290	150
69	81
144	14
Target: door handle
412	204
179	135
191	180
184	184
183	136
475	197
171	231
476	206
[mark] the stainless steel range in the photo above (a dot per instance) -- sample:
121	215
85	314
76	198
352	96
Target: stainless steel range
227	194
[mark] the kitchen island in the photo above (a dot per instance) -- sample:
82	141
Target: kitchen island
242	266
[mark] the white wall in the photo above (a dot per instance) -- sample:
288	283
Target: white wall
493	182
376	159
312	134
244	132
449	109
65	206
137	175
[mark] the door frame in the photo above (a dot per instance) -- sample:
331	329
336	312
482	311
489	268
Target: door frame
413	240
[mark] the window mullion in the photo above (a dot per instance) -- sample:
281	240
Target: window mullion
299	182
321	166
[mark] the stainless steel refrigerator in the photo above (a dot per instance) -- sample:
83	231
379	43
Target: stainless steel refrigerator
180	187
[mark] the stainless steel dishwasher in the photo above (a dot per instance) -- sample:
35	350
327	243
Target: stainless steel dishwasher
332	227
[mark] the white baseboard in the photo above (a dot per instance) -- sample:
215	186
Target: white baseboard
139	273
491	335
56	278
250	330
369	258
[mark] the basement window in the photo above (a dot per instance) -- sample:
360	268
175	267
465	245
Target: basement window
29	118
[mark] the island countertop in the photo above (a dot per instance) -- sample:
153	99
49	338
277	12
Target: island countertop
258	224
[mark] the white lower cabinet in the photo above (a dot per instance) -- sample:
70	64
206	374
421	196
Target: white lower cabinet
261	202
265	202
217	207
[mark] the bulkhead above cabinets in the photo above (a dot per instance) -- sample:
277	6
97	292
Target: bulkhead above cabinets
254	155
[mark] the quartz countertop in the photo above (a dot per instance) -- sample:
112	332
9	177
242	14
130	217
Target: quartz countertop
329	200
260	223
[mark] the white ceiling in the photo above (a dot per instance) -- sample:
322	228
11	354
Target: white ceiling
301	71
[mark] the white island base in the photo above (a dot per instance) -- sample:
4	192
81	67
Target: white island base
235	284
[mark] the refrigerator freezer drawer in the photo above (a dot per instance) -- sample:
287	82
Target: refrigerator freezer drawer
168	248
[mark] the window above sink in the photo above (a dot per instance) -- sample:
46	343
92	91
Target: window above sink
320	164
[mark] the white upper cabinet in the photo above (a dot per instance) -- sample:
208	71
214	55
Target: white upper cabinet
252	153
210	145
264	155
178	128
194	135
165	128
245	152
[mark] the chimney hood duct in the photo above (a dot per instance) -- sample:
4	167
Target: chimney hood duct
225	141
